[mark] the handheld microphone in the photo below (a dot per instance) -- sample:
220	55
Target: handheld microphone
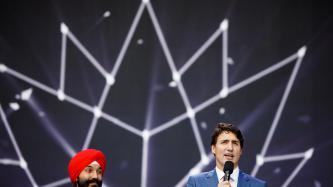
228	169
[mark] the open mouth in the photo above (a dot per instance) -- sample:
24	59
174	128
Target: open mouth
229	156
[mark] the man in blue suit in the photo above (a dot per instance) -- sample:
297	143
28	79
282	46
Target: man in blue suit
226	145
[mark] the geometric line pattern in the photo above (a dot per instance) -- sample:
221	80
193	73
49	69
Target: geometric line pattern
190	113
21	162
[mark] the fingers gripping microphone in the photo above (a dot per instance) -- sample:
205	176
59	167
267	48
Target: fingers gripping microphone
228	169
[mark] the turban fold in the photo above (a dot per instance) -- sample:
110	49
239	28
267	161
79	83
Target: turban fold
82	159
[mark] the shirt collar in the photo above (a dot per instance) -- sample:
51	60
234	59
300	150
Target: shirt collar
234	174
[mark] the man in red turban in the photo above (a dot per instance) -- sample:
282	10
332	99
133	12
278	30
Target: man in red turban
86	168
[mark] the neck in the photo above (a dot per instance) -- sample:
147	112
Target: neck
222	166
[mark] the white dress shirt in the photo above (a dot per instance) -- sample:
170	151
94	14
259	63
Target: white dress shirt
233	177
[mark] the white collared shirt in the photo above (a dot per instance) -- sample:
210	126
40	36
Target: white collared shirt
233	177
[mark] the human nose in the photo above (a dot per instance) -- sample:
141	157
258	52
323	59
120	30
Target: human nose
230	146
94	175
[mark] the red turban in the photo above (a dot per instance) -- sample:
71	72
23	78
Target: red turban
82	159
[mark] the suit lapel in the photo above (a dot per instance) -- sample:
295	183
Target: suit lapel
243	180
211	178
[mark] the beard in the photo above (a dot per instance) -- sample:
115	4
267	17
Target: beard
89	183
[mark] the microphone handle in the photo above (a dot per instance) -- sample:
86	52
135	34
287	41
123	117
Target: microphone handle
226	176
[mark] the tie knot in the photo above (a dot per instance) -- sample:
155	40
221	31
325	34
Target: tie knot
230	179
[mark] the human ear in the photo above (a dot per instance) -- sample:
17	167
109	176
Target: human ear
213	149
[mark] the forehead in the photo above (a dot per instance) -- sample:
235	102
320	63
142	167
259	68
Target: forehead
227	135
94	164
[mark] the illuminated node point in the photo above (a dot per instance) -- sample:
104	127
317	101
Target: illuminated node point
97	112
317	183
222	110
63	28
41	114
140	41
14	106
23	164
106	14
230	61
194	171
3	68
60	94
277	170
301	52
176	76
260	160
145	1
17	96
224	25
224	93
203	125
190	113
204	160
26	94
110	79
309	153
145	134
172	84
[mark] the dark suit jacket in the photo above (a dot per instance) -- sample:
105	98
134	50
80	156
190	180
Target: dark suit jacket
209	179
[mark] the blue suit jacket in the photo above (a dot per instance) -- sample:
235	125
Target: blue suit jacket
209	179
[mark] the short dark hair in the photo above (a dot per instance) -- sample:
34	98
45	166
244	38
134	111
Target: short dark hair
225	127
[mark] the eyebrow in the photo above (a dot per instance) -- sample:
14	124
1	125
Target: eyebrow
222	140
99	167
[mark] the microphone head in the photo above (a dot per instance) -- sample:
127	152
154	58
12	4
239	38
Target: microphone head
228	167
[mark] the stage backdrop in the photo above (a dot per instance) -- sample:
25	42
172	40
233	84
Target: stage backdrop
147	81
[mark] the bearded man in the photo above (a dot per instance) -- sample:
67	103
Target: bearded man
86	168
